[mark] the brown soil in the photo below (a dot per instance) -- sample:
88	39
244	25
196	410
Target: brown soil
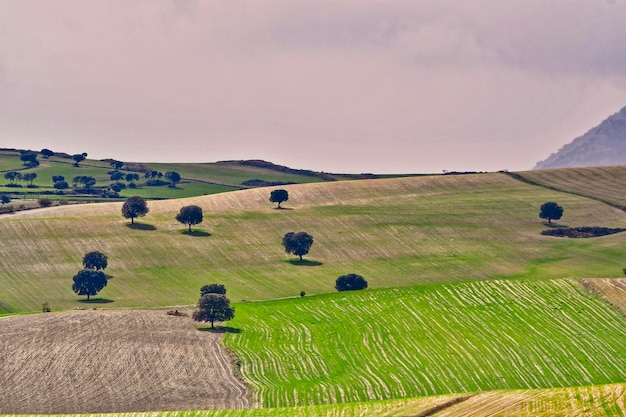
113	361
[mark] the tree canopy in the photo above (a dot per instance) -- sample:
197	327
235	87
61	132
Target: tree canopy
214	307
550	211
297	243
134	206
350	282
46	153
173	177
79	157
89	282
212	289
95	260
190	215
29	158
279	196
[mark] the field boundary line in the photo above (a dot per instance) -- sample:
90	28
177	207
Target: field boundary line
433	410
521	178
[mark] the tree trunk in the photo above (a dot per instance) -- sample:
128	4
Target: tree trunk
212	326
132	220
300	258
190	228
87	297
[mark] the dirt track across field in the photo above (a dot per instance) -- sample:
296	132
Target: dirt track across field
113	361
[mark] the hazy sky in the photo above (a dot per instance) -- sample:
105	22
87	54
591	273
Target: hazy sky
377	86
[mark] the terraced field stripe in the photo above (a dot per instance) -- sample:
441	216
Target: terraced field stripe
600	400
429	340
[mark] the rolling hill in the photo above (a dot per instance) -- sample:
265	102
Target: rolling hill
470	309
604	145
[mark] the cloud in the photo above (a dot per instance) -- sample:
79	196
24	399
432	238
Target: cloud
351	85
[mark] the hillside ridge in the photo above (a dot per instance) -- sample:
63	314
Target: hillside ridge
602	145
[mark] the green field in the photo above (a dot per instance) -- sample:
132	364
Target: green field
603	183
461	337
197	179
395	232
466	296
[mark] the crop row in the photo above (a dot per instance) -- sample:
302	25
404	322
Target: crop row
428	340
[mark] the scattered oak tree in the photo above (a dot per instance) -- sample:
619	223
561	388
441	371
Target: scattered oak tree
89	282
550	211
117	176
190	215
61	185
173	177
4	199
44	202
350	282
46	153
297	243
131	177
13	176
95	260
87	180
212	308
29	158
212	289
79	157
279	196
29	177
116	164
134	207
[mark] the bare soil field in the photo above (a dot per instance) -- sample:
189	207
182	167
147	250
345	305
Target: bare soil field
611	289
90	361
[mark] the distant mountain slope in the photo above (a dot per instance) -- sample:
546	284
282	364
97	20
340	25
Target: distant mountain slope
603	145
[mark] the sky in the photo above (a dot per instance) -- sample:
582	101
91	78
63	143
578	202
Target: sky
345	86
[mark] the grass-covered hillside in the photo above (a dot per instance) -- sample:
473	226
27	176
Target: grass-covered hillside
470	309
428	340
196	179
395	232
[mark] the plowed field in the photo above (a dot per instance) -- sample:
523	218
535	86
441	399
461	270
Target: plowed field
113	361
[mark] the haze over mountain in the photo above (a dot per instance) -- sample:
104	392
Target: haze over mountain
603	145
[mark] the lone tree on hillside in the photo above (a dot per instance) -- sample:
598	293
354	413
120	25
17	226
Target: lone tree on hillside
212	289
4	199
79	157
350	282
95	260
89	282
134	207
46	153
278	196
173	177
212	308
190	215
297	243
550	211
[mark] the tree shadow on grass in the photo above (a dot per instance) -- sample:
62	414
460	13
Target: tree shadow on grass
220	329
141	226
283	208
304	262
197	233
98	300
